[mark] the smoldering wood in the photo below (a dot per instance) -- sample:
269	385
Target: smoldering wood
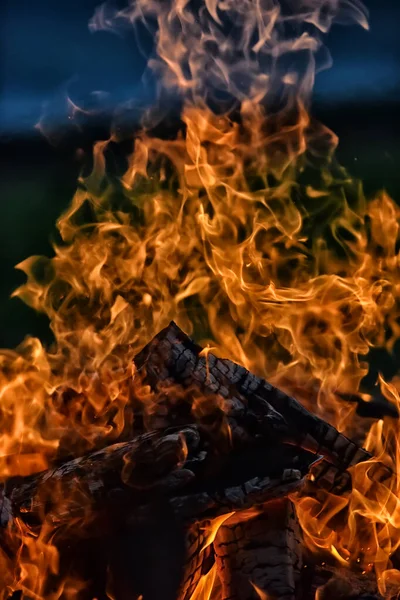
376	407
132	474
198	561
153	486
328	582
251	493
248	406
122	472
134	538
264	553
169	470
173	356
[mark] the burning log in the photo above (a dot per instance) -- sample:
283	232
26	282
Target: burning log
136	474
117	493
187	470
249	400
262	553
128	470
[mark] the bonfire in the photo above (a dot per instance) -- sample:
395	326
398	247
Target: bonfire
199	429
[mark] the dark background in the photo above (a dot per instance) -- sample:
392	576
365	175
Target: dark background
47	50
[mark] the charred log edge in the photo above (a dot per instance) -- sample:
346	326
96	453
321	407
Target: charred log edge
98	474
377	407
181	358
95	481
265	551
253	493
336	583
199	562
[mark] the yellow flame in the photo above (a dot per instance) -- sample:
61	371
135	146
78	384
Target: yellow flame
340	558
212	530
204	588
246	232
261	594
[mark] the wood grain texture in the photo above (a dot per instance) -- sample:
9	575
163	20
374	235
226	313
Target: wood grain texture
179	469
173	356
264	551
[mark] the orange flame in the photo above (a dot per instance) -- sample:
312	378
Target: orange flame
205	587
246	232
262	595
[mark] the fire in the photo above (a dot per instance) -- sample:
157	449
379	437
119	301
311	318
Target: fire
244	230
204	589
262	595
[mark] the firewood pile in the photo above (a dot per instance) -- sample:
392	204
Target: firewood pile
206	484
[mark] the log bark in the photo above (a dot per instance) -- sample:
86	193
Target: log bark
124	473
173	357
199	559
134	483
181	468
263	554
135	475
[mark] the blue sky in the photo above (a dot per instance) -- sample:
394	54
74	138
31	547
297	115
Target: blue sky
47	48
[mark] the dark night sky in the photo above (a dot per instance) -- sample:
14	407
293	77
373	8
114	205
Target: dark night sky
46	46
48	49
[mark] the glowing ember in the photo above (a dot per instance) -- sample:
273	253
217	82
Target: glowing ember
245	231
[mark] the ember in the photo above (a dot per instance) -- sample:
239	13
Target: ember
138	464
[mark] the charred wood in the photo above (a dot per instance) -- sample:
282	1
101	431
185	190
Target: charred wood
119	474
250	400
245	450
262	553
